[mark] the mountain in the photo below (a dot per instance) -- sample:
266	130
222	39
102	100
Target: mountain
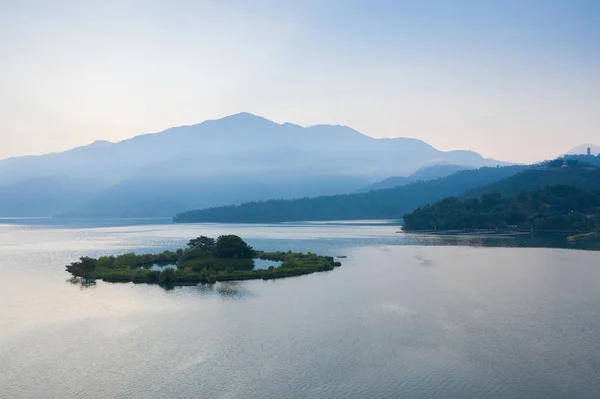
380	204
582	149
423	174
238	158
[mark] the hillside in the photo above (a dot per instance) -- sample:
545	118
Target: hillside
380	204
235	159
578	175
585	159
552	208
423	174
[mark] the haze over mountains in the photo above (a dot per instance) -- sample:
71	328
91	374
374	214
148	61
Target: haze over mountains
236	159
423	174
389	203
578	171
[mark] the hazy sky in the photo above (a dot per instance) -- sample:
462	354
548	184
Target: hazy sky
512	79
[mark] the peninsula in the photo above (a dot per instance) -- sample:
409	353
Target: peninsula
205	260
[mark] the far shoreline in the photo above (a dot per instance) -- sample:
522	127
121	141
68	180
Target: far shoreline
473	232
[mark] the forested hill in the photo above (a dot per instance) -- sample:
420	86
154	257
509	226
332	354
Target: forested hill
381	204
554	208
592	160
577	174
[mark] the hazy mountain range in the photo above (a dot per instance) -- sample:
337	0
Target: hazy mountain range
392	203
236	159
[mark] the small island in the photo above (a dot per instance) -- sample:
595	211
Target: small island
205	260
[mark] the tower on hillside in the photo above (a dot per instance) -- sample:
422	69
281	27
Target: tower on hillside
589	152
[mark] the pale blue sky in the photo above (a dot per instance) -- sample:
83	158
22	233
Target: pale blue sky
512	79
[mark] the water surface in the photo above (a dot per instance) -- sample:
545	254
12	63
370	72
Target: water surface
402	318
265	264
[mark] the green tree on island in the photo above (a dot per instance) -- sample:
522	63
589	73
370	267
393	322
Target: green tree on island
202	243
232	246
87	265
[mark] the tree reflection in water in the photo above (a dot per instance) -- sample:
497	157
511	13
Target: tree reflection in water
82	282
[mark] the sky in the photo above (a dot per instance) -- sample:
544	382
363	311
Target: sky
516	80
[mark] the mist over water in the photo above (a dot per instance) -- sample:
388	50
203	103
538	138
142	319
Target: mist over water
400	318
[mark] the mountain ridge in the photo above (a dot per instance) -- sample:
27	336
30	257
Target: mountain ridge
390	203
208	163
245	117
393	203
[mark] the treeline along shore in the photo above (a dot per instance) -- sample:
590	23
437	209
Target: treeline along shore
559	208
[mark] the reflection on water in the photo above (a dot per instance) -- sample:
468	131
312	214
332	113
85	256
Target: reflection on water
233	290
423	261
534	240
82	282
405	316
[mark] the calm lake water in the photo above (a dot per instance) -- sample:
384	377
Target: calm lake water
402	318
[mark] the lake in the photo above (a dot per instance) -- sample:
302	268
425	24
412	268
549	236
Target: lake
406	316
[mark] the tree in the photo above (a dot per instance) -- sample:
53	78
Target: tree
84	267
87	264
232	246
202	243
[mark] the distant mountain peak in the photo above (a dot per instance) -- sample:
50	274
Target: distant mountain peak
244	116
99	143
241	120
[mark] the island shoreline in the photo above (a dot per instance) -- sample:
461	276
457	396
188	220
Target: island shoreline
205	260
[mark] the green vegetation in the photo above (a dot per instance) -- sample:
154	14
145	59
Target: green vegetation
590	160
554	208
379	204
205	260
